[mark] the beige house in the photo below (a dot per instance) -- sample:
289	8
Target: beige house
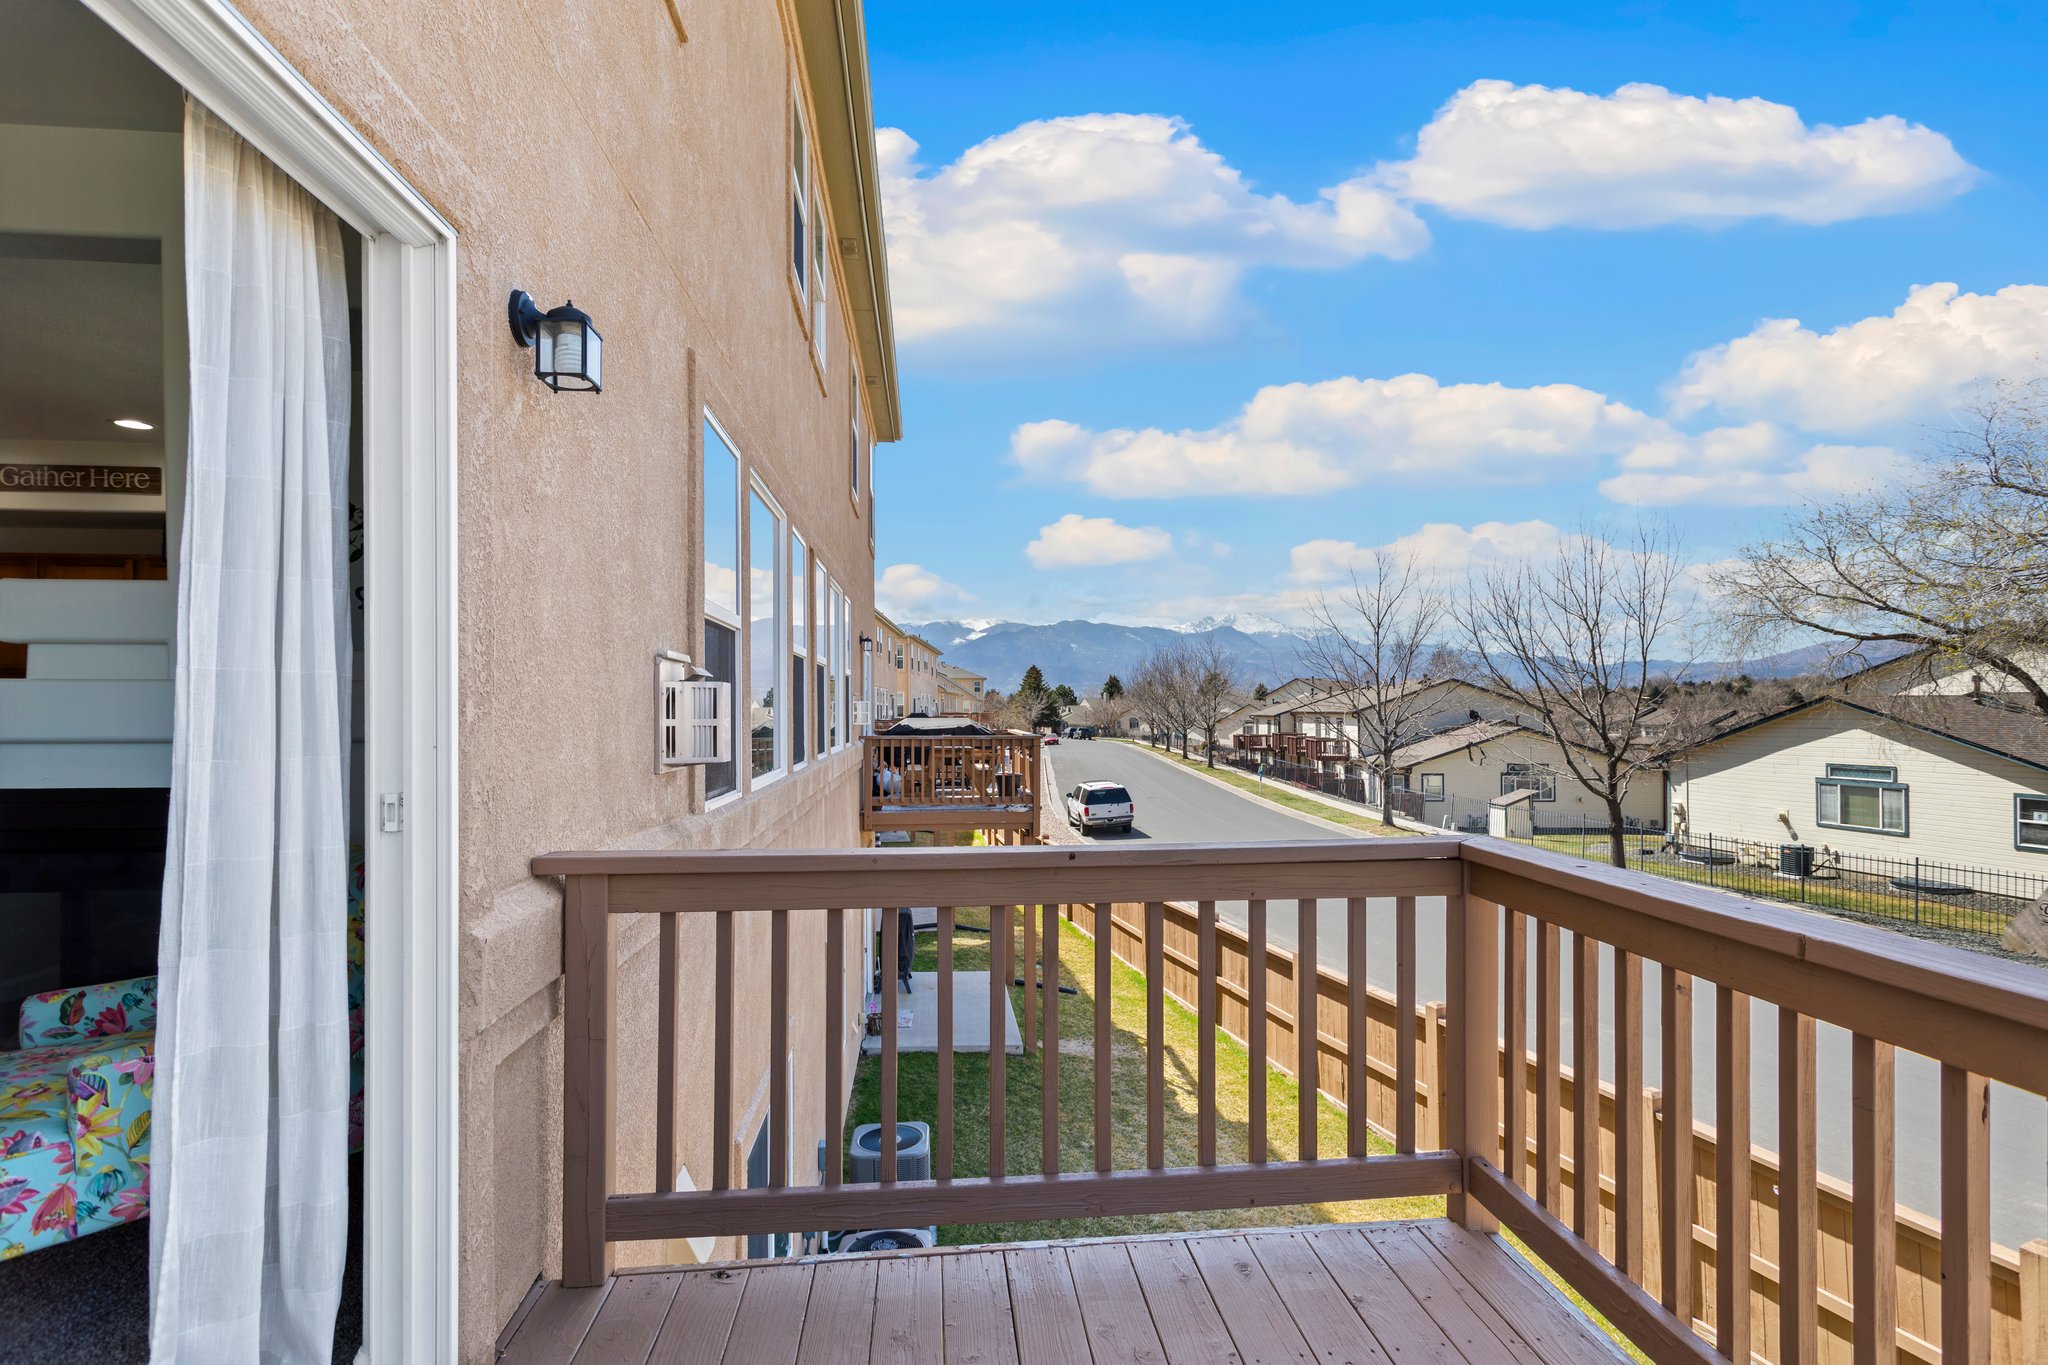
962	691
512	595
906	673
1451	776
1945	779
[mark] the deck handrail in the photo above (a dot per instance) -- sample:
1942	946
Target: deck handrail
1981	1019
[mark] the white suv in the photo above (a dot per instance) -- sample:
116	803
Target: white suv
1100	805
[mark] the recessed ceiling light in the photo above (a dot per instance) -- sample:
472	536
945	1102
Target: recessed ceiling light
134	424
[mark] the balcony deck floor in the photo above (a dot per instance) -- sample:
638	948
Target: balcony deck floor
1375	1292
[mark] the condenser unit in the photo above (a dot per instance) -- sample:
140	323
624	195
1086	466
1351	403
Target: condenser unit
913	1152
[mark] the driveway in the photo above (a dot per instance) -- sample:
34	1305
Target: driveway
1179	806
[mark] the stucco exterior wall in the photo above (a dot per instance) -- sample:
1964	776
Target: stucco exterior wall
591	153
1959	802
1472	778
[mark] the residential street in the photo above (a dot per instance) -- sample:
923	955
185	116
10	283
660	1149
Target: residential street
1177	806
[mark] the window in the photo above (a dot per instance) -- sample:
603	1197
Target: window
842	662
855	458
2030	823
821	288
799	644
1524	777
818	666
721	584
1861	796
767	593
799	197
835	608
1432	786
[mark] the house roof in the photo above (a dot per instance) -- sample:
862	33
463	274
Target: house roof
1349	700
1455	740
1985	725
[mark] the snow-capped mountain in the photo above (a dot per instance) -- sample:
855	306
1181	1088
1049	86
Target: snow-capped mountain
1083	653
1249	622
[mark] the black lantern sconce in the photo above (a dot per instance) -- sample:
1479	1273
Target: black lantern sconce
566	349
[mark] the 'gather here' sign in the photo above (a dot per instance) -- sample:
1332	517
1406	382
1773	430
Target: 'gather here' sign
131	480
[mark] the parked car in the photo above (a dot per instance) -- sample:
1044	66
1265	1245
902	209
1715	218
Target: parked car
1052	739
1100	805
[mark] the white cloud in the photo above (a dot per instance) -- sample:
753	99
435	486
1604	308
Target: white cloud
1306	438
1928	351
910	591
1529	156
1750	466
1078	542
1438	549
1124	222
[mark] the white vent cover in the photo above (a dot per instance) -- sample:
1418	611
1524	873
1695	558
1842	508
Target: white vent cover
692	713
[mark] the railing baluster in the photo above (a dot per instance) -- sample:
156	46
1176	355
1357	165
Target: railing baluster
1405	1099
1732	1174
1965	1216
1031	975
835	1043
1874	1241
1049	1044
1586	1089
892	931
778	1048
1357	1016
1468	1082
942	1138
1105	1039
1515	1086
665	1060
1001	947
1675	1191
1205	1043
1549	1069
1255	1031
590	1097
1155	1035
1305	998
1629	1177
1798	1195
721	1053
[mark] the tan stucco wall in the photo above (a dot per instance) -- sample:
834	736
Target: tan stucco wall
587	152
1959	799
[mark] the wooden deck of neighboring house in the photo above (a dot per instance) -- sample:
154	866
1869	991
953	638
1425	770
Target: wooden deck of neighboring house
1427	1291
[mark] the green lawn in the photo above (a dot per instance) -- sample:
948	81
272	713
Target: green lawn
1281	794
917	1098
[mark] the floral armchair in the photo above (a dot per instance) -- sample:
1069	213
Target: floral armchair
74	1114
75	1103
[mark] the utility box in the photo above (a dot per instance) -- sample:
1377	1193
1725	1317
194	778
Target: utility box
1512	816
913	1152
1795	860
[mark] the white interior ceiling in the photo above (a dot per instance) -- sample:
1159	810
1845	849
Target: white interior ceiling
97	348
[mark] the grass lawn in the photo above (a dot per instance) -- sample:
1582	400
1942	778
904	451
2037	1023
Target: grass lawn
1815	893
1280	793
917	1098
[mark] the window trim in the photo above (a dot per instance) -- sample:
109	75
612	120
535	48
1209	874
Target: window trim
1426	779
799	649
1539	770
2016	822
802	234
1905	790
739	483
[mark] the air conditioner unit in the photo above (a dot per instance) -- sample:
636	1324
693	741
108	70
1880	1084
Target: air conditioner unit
885	1239
692	713
913	1152
860	714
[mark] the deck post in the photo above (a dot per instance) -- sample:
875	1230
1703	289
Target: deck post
589	1097
1470	1080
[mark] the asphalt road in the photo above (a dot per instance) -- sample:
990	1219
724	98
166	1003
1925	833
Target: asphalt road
1177	806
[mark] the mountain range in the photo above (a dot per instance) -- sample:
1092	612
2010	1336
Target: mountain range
1083	653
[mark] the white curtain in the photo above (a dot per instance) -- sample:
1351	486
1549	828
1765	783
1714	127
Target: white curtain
249	1197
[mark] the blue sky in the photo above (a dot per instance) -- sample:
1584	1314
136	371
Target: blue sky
1198	304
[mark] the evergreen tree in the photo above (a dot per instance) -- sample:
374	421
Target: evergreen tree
1034	682
1112	688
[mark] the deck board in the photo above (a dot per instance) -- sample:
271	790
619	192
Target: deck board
1382	1294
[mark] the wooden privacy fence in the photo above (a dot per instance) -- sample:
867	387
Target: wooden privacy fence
2019	1321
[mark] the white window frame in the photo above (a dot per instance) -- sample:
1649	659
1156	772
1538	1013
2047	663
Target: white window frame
799	599
1877	777
1541	774
800	267
732	617
778	628
821	287
1427	779
2020	821
412	1175
855	457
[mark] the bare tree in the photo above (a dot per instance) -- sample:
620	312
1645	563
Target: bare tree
1215	689
1378	643
1953	562
1573	639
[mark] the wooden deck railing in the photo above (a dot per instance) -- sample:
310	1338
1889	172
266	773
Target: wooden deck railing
950	781
1523	929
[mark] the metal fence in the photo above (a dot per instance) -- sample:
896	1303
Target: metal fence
1918	891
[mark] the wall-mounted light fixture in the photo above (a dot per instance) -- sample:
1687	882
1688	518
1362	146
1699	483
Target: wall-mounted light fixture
867	646
567	349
